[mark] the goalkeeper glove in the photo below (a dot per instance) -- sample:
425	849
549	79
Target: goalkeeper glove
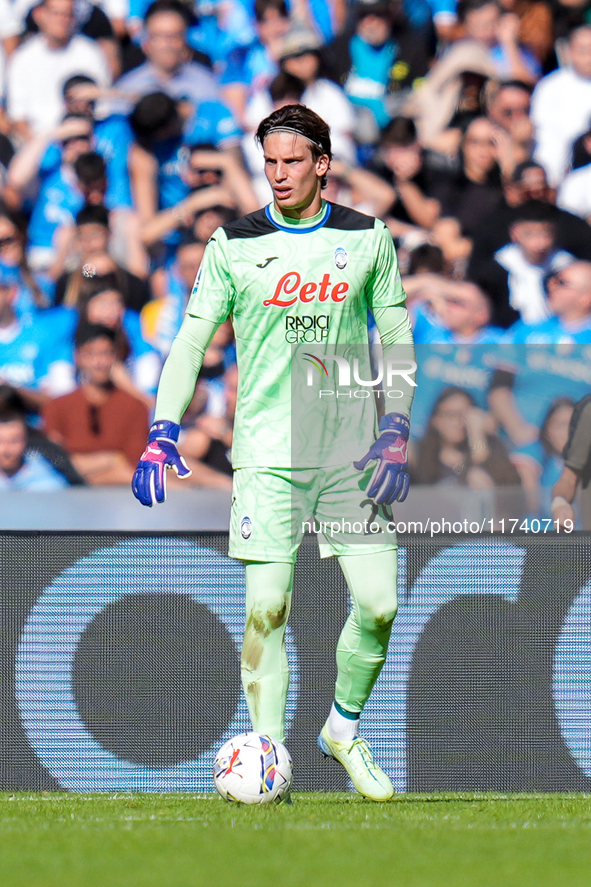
149	480
389	481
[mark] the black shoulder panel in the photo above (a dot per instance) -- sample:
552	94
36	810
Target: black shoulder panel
253	225
346	219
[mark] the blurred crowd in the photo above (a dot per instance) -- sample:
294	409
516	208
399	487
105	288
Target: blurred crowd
127	138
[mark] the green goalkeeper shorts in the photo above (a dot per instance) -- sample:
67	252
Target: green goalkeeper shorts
272	508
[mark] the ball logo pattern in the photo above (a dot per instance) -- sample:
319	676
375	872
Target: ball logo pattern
252	768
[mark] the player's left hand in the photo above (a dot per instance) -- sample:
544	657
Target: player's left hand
389	481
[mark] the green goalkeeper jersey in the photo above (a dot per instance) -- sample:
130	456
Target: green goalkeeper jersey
293	287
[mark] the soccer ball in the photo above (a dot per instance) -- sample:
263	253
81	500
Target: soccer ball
252	768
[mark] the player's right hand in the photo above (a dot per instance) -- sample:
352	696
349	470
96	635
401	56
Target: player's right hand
149	480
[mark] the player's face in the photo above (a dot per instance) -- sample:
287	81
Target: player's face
293	174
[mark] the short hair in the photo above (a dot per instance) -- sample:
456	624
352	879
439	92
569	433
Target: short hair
152	113
93	214
11	415
535	211
303	121
76	80
100	283
514	84
426	256
188	239
11	400
89	332
176	6
465	7
520	168
261	7
399	131
90	167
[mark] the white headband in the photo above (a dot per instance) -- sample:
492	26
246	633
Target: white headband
296	132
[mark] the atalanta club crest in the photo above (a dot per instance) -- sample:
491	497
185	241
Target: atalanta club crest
246	528
340	257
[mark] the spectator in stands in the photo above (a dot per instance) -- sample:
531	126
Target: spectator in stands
159	161
102	427
574	194
359	188
561	106
536	27
37	69
32	295
569	303
459	446
21	469
471	194
168	68
540	463
112	138
498	31
377	63
30	359
528	182
37	442
162	317
81	178
221	27
576	473
400	161
528	378
508	107
209	439
101	302
517	274
449	95
300	57
213	178
251	68
90	250
91	21
450	311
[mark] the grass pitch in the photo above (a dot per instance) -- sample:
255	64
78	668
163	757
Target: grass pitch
334	840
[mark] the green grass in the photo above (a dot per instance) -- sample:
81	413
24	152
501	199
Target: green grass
334	840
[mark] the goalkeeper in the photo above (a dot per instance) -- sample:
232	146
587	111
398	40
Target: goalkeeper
301	263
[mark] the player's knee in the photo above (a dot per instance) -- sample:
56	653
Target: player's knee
268	613
379	616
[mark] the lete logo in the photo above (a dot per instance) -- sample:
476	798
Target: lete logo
291	284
